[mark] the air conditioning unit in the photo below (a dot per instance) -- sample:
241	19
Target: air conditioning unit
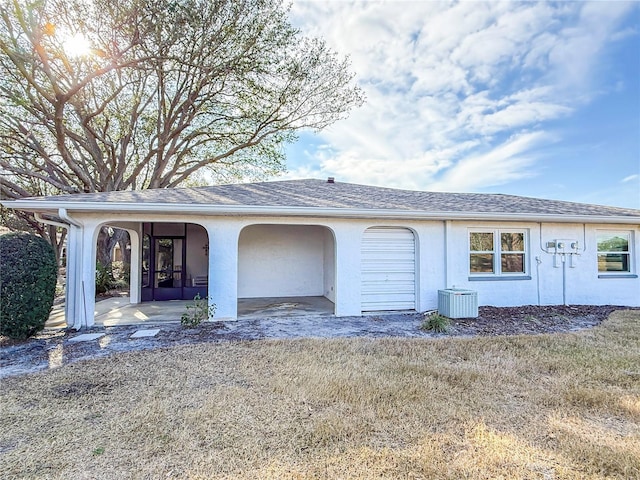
458	303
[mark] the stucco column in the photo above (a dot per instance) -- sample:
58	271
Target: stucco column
348	269
87	293
223	267
81	274
135	282
73	280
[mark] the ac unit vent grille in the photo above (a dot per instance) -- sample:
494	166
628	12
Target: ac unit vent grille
458	303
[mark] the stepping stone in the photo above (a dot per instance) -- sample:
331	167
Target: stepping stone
85	337
145	333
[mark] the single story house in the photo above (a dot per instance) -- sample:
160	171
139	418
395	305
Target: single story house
366	249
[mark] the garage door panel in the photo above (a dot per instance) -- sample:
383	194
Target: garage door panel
388	269
390	279
389	261
385	305
398	282
402	290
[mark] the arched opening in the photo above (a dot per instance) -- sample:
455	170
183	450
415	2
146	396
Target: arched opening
174	261
113	260
388	269
286	268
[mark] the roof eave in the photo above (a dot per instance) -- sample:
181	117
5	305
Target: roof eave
240	210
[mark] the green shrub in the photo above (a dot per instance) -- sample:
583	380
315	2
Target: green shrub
28	272
436	322
198	312
104	278
114	276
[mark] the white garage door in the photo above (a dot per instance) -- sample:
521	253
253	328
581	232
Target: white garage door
388	269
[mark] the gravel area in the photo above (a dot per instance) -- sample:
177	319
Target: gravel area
52	348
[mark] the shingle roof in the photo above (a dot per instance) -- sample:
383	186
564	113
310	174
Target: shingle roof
313	193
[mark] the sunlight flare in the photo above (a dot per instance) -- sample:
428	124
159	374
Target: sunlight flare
76	45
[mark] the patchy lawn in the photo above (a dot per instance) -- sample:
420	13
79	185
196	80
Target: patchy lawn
546	406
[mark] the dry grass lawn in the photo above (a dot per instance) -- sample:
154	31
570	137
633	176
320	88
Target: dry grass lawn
563	406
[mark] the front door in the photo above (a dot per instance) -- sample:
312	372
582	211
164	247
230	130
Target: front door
162	261
169	253
174	261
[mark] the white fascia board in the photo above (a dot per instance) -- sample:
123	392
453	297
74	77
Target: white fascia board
275	211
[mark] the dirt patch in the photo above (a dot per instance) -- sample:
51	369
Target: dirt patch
531	320
53	348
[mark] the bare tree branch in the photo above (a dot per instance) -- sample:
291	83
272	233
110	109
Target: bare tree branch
171	90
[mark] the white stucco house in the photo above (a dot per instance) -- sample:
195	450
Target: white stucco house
364	248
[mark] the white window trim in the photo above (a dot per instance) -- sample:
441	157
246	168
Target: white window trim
630	252
497	254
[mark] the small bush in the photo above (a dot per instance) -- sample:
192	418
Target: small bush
104	278
113	276
436	323
28	272
198	312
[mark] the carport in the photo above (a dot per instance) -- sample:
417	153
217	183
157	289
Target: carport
284	267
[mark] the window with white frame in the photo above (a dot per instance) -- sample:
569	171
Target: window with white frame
614	254
497	252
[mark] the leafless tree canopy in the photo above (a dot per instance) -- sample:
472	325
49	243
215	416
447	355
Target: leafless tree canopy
169	89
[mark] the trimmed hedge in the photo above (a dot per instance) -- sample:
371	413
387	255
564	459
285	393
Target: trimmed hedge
28	273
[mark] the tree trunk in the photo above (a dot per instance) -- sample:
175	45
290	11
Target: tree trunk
125	246
56	237
107	240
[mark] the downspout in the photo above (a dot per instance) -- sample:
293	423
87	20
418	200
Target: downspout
64	215
41	219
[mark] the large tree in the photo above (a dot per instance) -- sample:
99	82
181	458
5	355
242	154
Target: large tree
102	95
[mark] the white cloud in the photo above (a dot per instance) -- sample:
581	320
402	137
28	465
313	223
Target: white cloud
522	114
630	178
459	96
505	163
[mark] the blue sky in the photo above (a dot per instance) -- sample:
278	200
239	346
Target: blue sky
527	98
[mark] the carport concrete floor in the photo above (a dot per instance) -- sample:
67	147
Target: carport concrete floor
251	308
118	311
